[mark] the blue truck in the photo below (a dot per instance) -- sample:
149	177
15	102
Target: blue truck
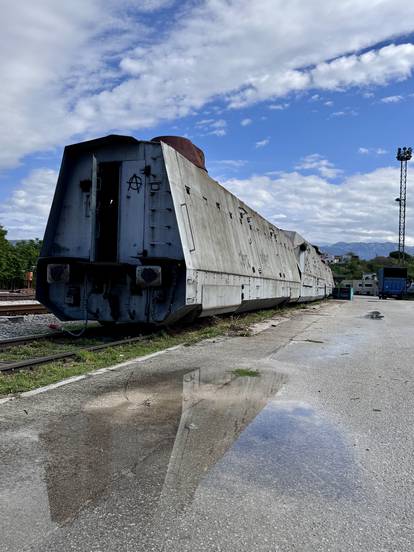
392	282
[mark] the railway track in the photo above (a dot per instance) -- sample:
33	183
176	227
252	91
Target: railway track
8	367
17	296
25	308
22	340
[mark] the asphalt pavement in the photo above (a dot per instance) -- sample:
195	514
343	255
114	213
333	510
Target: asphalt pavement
299	438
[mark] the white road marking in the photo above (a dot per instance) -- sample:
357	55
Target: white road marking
98	372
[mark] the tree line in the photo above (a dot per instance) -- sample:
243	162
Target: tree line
355	267
16	259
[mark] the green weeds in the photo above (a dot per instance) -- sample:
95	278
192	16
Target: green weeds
245	373
88	361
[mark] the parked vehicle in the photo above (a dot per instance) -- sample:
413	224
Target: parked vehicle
139	232
392	282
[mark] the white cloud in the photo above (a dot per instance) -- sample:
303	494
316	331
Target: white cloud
152	5
232	163
360	208
344	113
246	122
279	107
329	103
372	151
262	143
392	99
218	132
25	213
373	67
213	127
75	69
317	162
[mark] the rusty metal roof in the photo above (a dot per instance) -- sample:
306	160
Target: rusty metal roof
185	147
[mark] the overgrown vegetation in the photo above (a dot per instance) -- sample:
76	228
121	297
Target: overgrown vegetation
89	361
355	267
245	373
16	259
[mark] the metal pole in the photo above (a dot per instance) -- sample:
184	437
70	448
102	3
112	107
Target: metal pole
403	155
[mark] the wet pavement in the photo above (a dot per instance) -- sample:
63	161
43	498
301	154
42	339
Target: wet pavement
180	453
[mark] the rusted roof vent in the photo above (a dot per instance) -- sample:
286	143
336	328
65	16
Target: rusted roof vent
186	148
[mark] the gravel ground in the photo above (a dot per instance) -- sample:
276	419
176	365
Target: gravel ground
31	324
9	303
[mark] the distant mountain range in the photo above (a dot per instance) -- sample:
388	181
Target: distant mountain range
364	250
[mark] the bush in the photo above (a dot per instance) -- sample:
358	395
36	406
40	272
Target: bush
16	260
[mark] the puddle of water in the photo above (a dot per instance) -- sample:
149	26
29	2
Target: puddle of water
291	449
144	449
151	441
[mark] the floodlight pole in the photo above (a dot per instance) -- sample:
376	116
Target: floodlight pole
403	156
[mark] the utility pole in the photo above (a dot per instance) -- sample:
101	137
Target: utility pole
403	156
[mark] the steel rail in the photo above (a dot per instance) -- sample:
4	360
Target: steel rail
30	308
20	340
19	365
16	297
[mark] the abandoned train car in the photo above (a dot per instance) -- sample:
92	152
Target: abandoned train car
138	232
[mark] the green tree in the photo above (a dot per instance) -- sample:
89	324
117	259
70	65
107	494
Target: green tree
5	249
16	260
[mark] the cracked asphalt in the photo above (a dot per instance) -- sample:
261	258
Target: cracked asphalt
179	453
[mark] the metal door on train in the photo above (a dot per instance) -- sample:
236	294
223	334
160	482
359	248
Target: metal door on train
132	211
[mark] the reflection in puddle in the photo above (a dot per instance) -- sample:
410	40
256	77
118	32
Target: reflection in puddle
154	440
144	454
291	449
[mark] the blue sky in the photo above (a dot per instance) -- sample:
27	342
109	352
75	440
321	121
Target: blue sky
299	108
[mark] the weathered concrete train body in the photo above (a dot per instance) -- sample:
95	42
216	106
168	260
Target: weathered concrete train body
139	232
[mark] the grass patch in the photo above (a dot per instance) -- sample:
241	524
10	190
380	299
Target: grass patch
87	361
245	373
43	347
